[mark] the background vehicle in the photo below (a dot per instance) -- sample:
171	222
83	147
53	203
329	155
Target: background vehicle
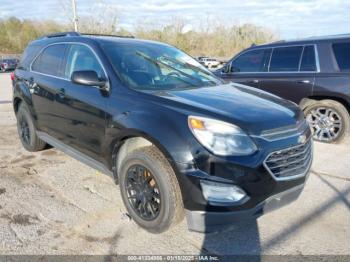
8	64
166	129
209	62
314	73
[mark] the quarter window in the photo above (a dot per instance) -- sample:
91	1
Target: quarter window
252	61
342	55
50	60
308	62
29	53
285	59
81	58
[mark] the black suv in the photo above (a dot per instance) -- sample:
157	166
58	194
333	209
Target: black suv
314	73
172	134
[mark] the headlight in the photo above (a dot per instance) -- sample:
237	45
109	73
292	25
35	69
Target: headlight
221	138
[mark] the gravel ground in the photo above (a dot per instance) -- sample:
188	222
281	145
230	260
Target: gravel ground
52	204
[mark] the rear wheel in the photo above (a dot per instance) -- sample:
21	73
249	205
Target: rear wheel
329	120
27	130
150	190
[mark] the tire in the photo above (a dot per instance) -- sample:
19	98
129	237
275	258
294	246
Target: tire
27	131
338	121
170	211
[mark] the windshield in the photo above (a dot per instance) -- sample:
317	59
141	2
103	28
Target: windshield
151	66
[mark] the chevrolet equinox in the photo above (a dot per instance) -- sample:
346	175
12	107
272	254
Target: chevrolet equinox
177	139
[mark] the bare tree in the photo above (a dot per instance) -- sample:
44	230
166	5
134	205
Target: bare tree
100	18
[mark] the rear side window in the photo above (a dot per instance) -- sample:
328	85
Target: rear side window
308	61
285	59
342	55
251	61
50	61
81	58
29	53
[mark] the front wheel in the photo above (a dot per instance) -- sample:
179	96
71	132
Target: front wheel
329	121
150	190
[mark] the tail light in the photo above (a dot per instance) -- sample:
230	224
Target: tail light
12	76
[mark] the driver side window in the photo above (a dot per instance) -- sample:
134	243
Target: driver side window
251	61
81	58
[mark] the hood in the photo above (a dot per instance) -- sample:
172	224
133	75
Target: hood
251	109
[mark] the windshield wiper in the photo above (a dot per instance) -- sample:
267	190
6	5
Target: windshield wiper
195	68
157	62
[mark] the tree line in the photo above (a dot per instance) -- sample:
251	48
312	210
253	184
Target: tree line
214	39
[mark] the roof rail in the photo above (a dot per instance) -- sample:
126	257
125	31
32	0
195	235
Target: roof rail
278	41
122	36
62	34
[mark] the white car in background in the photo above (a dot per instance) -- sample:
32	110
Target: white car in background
209	62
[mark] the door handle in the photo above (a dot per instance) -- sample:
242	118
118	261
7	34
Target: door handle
303	82
255	81
62	93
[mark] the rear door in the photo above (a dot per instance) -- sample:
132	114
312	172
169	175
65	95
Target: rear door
291	72
44	82
248	67
81	109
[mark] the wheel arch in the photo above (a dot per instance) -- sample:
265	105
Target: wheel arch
134	139
306	101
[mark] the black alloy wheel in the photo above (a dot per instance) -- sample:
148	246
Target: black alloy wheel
27	131
143	192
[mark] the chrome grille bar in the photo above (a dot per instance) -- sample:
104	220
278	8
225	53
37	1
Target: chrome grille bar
290	163
291	155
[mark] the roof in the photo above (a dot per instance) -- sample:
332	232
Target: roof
313	39
77	37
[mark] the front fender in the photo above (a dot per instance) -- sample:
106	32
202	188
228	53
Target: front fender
171	137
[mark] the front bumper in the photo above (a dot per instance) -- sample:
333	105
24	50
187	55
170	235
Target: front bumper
203	221
258	175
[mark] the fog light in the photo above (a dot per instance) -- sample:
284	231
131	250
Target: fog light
221	193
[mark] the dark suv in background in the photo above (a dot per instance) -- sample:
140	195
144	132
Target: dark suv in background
171	133
314	73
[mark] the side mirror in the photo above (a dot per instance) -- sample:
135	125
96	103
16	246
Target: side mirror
87	78
225	69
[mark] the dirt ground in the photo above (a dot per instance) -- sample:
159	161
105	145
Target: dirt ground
52	204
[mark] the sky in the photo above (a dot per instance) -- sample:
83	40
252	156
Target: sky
290	19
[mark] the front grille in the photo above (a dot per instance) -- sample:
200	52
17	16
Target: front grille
286	131
291	162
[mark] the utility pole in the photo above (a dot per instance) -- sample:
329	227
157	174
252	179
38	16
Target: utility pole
75	19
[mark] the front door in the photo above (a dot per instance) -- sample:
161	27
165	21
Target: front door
82	108
247	67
